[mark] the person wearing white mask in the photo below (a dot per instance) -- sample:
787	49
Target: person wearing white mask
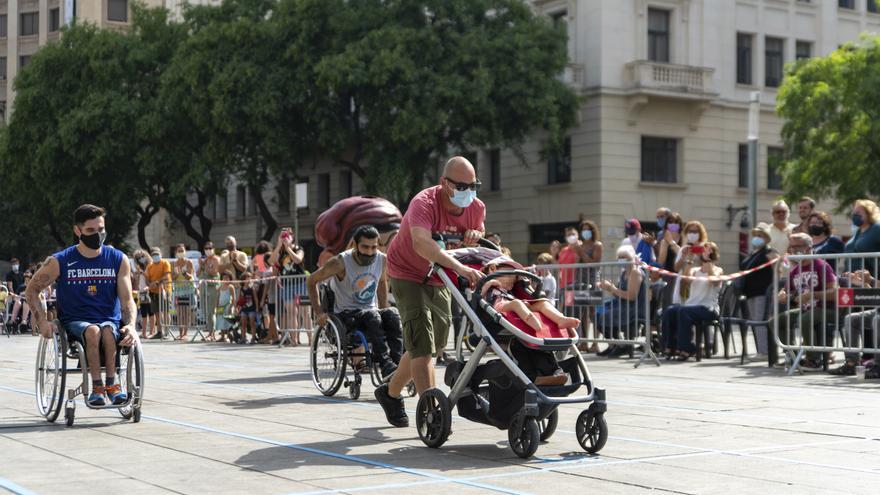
694	235
781	227
158	274
754	285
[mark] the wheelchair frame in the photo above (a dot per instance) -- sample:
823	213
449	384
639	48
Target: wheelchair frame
51	377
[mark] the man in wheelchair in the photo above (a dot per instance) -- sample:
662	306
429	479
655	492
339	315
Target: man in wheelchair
358	279
93	300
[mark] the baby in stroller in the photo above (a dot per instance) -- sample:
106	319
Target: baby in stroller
511	295
505	294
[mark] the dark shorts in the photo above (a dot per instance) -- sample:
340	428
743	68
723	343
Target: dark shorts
271	307
146	310
426	314
154	303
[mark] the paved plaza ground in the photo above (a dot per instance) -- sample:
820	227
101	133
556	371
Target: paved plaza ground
221	418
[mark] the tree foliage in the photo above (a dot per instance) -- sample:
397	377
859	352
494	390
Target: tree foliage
161	116
832	130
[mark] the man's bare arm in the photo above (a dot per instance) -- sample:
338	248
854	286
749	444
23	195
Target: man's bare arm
333	268
44	277
382	288
123	290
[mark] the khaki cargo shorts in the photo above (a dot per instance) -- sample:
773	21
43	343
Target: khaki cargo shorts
426	315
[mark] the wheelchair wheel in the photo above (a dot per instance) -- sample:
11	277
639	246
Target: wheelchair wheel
524	435
131	377
548	425
50	375
328	359
69	415
434	418
592	431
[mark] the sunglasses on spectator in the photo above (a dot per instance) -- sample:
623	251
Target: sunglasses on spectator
463	186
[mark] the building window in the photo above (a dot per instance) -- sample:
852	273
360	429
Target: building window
3	26
846	4
2	68
659	159
495	169
872	6
29	24
23	61
773	61
743	165
54	19
117	10
559	164
345	183
559	19
283	195
743	58
240	201
803	50
658	35
774	168
301	193
323	191
220	206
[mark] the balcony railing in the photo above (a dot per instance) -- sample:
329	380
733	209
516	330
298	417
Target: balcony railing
671	78
574	75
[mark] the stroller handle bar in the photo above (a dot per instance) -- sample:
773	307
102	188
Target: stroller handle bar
486	243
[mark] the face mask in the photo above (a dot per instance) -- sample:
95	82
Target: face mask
463	199
15	268
587	234
142	261
758	242
93	241
179	255
634	239
661	222
857	220
816	230
692	238
366	259
572	239
157	258
674	228
209	251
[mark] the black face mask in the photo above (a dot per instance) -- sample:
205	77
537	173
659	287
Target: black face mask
366	259
816	230
94	241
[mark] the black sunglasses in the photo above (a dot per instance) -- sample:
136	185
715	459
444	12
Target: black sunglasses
463	186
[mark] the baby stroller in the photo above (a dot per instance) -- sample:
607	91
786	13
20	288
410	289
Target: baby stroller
501	392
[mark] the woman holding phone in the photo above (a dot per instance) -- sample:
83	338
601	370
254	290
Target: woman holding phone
695	237
287	258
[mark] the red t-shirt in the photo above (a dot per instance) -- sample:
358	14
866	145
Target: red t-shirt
426	211
567	256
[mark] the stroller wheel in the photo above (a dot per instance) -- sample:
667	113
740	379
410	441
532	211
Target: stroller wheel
433	418
354	389
592	431
524	435
548	425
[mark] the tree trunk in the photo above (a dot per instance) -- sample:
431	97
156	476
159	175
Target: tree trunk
265	213
145	217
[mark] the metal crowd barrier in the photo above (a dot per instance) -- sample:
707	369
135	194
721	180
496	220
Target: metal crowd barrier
179	309
841	306
578	294
293	311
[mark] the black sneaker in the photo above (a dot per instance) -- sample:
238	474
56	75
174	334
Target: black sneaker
809	365
847	369
444	359
607	350
618	351
387	369
395	413
873	372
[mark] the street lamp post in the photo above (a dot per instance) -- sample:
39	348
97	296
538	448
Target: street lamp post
754	118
